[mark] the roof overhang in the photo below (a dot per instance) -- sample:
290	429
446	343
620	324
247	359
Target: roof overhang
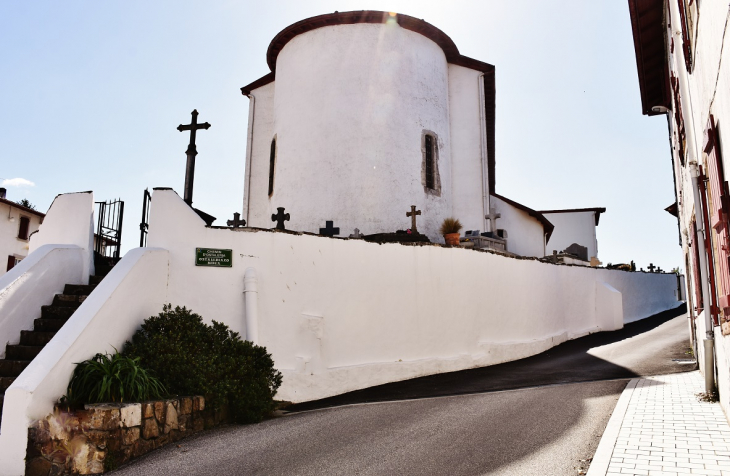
647	24
546	225
22	208
596	210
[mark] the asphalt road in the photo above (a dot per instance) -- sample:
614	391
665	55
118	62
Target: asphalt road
462	423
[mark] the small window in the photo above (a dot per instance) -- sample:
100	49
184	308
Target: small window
430	164
12	261
23	230
272	163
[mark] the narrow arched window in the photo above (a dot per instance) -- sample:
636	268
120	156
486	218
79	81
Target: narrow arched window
272	163
430	182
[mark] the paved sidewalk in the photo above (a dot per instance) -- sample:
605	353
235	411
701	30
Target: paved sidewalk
659	427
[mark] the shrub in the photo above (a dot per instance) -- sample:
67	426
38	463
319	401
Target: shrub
193	358
112	378
450	225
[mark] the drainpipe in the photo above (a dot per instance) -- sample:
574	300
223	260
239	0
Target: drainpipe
702	228
251	293
249	147
485	167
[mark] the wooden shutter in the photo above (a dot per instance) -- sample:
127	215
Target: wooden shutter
718	211
696	270
24	225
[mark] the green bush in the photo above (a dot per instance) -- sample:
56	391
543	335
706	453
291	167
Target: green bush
112	378
193	358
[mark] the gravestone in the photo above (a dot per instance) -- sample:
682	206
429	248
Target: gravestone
580	251
357	234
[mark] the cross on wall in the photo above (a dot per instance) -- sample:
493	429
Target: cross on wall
236	222
651	267
328	229
280	217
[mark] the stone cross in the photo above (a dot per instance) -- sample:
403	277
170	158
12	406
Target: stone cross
236	222
413	213
191	153
659	270
279	218
555	256
328	229
357	234
492	217
651	267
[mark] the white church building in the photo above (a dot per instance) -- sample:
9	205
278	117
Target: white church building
363	115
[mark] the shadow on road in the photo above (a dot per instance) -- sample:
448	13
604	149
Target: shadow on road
565	363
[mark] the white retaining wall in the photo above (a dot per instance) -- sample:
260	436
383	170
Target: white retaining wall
338	315
135	289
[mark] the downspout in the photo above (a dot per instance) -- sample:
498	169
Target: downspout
250	295
485	167
249	147
708	342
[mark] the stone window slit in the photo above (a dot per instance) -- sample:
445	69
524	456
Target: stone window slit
272	166
430	178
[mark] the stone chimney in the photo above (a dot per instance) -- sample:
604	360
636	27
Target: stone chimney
2	192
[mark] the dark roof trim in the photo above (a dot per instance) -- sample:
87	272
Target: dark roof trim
647	24
409	23
546	225
673	209
22	208
598	211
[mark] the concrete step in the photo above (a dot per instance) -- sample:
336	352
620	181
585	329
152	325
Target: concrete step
5	383
94	280
79	289
22	352
48	325
56	312
36	337
12	368
68	300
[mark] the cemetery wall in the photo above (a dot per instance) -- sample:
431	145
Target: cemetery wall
338	315
70	221
349	128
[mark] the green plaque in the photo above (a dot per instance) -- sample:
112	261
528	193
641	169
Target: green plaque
213	257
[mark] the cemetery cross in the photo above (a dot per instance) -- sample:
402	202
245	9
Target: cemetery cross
413	213
236	222
492	217
651	267
328	229
279	218
191	153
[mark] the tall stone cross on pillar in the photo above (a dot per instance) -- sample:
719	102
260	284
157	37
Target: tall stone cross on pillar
492	217
413	213
191	153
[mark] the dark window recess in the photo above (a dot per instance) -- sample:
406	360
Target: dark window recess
272	160
23	231
429	163
11	262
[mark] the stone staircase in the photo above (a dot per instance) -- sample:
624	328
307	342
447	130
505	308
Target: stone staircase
53	316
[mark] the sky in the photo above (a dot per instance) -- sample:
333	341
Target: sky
92	94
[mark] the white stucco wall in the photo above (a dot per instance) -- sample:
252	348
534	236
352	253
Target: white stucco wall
466	147
525	233
135	289
575	227
338	315
69	221
10	244
260	134
351	104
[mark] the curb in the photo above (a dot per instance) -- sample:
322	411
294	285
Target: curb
602	458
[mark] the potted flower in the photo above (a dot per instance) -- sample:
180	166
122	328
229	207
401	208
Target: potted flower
450	229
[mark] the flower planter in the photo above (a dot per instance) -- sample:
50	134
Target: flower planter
451	239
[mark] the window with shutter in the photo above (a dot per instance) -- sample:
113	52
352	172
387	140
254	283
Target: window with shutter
718	189
699	305
23	229
11	262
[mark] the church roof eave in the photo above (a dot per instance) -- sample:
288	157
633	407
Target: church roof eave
597	210
546	225
647	25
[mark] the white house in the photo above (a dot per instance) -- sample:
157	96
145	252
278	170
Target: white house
17	223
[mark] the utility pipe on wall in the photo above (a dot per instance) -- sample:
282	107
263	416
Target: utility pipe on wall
485	167
251	295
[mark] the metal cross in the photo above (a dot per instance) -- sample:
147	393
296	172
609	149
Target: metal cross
413	213
236	222
492	217
651	267
329	230
191	153
279	218
357	234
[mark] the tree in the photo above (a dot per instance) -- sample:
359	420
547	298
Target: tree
26	203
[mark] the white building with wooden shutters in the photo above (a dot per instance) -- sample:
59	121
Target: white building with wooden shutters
366	113
683	60
17	223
